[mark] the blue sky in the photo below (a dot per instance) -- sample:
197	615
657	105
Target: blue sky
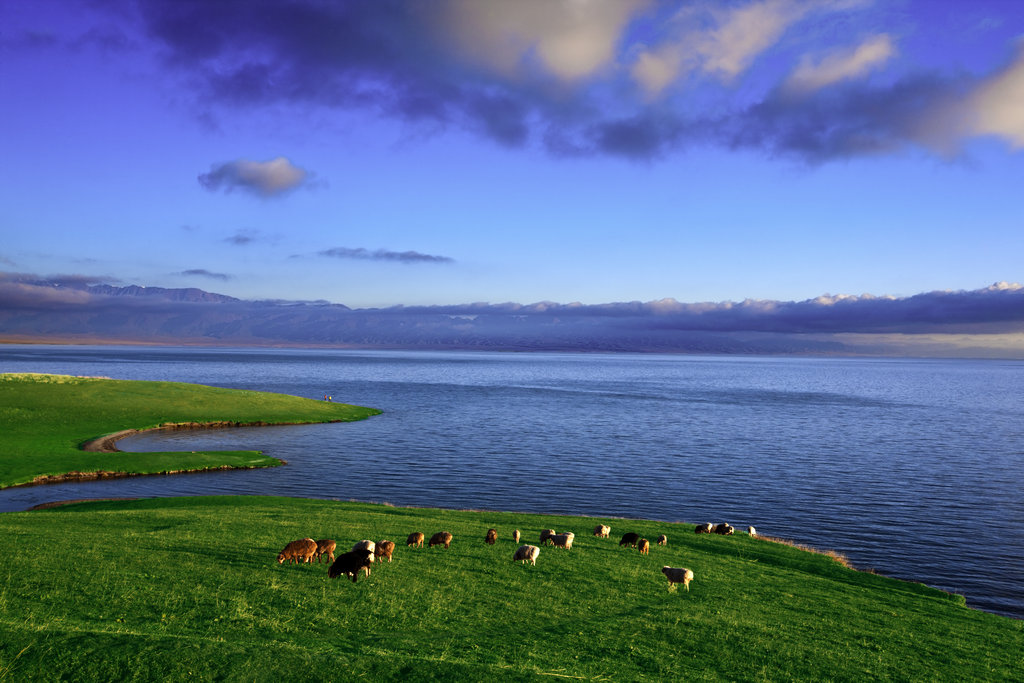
450	152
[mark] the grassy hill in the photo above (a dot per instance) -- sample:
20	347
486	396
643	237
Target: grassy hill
189	588
46	419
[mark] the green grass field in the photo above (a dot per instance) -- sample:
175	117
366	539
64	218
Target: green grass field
189	588
45	419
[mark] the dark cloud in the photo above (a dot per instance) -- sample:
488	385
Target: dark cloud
377	55
19	296
383	255
641	137
341	53
35	40
389	56
20	291
80	280
844	121
243	237
107	40
72	281
202	272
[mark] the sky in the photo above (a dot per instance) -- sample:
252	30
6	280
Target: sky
444	152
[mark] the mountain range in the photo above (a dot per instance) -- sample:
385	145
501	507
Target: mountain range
987	322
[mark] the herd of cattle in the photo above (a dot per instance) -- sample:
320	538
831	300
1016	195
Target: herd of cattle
366	552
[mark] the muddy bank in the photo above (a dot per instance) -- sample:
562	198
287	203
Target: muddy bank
59	503
75	475
107	444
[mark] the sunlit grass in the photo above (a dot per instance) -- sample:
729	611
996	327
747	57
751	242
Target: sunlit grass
189	588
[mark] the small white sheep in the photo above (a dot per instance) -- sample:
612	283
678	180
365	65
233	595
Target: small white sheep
563	540
526	553
752	531
602	530
516	535
365	544
677	575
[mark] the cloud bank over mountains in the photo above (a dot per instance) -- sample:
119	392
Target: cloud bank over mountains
987	321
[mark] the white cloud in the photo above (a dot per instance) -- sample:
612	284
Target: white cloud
991	106
265	178
998	104
726	50
570	40
656	70
745	33
840	66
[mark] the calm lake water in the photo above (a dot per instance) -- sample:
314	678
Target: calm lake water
909	467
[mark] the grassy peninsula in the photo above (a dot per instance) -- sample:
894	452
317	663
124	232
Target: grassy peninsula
45	420
188	588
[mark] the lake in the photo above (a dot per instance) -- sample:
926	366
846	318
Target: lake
908	467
